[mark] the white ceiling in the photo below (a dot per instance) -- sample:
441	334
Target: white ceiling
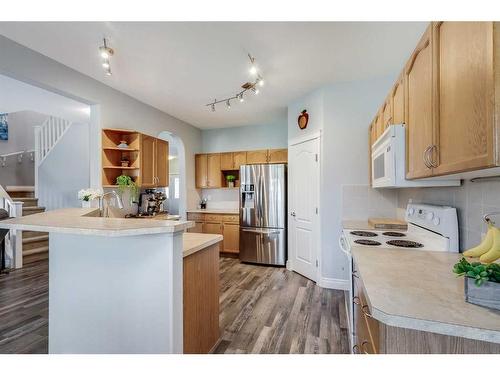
178	67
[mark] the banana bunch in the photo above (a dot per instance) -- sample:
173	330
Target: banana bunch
489	249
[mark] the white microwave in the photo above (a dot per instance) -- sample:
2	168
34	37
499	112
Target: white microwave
389	162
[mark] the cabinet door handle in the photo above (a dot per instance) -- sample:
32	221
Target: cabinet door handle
365	311
362	346
431	153
355	349
356	300
425	157
355	274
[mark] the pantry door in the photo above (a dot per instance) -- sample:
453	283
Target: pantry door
303	214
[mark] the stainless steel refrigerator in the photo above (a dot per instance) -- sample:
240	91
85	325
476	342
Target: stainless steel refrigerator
263	218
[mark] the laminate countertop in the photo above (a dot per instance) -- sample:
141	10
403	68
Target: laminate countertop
85	222
418	290
221	211
194	242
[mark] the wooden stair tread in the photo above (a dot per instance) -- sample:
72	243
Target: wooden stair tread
13	189
35	258
30	233
42	237
38	250
33	210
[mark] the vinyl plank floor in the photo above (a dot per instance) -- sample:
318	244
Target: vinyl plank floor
262	310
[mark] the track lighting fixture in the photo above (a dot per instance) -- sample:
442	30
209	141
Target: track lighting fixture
259	81
106	53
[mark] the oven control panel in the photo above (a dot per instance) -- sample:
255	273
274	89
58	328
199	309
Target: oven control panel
440	219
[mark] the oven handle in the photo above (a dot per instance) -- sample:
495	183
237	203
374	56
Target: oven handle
342	245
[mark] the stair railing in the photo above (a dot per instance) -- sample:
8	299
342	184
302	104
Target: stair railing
47	136
13	240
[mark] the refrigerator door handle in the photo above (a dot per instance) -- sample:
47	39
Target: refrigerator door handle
262	231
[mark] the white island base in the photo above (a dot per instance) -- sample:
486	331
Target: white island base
120	294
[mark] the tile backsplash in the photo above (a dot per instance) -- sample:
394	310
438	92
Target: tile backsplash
221	198
359	202
472	200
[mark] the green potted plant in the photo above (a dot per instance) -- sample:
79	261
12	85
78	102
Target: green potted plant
482	282
126	183
230	180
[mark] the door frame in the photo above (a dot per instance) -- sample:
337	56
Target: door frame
293	142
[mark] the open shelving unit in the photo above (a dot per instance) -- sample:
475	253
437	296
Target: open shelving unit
112	155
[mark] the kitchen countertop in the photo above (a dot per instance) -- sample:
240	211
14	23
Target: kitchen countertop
418	290
83	221
194	242
215	211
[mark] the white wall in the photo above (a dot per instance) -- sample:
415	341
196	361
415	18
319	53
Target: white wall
245	138
342	112
116	109
66	170
19	96
21	137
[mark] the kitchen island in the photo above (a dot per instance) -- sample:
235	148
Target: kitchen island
115	285
409	301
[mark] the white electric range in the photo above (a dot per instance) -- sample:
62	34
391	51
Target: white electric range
430	228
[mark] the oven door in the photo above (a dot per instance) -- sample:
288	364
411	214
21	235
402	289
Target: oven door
384	164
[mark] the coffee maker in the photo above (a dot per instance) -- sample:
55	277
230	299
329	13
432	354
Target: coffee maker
151	202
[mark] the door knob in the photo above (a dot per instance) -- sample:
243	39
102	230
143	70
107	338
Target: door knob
293	213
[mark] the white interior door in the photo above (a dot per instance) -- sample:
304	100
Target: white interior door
303	168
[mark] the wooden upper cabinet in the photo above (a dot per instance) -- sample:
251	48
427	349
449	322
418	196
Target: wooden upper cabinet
226	161
419	115
148	153
257	157
239	159
279	155
201	165
465	65
161	163
379	123
386	114
398	101
214	177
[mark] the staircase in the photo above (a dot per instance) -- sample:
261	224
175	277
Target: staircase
35	244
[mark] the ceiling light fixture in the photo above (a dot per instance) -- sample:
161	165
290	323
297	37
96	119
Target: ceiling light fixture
259	81
106	53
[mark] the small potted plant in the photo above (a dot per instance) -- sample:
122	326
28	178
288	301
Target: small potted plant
126	184
482	282
88	195
230	180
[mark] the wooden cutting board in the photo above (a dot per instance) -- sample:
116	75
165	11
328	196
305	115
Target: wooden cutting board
383	223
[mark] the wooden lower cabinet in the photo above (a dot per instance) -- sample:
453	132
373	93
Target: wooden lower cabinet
212	228
201	300
231	234
225	224
375	337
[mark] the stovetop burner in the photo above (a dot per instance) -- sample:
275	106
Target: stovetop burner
394	234
368	242
362	233
405	243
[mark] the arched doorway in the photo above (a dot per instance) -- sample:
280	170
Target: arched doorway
176	192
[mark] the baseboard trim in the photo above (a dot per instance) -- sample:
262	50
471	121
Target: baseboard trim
330	283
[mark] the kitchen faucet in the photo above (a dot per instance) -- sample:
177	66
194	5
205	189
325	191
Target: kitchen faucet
105	212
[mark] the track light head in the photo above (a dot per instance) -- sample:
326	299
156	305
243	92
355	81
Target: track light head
261	82
228	104
241	99
213	107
